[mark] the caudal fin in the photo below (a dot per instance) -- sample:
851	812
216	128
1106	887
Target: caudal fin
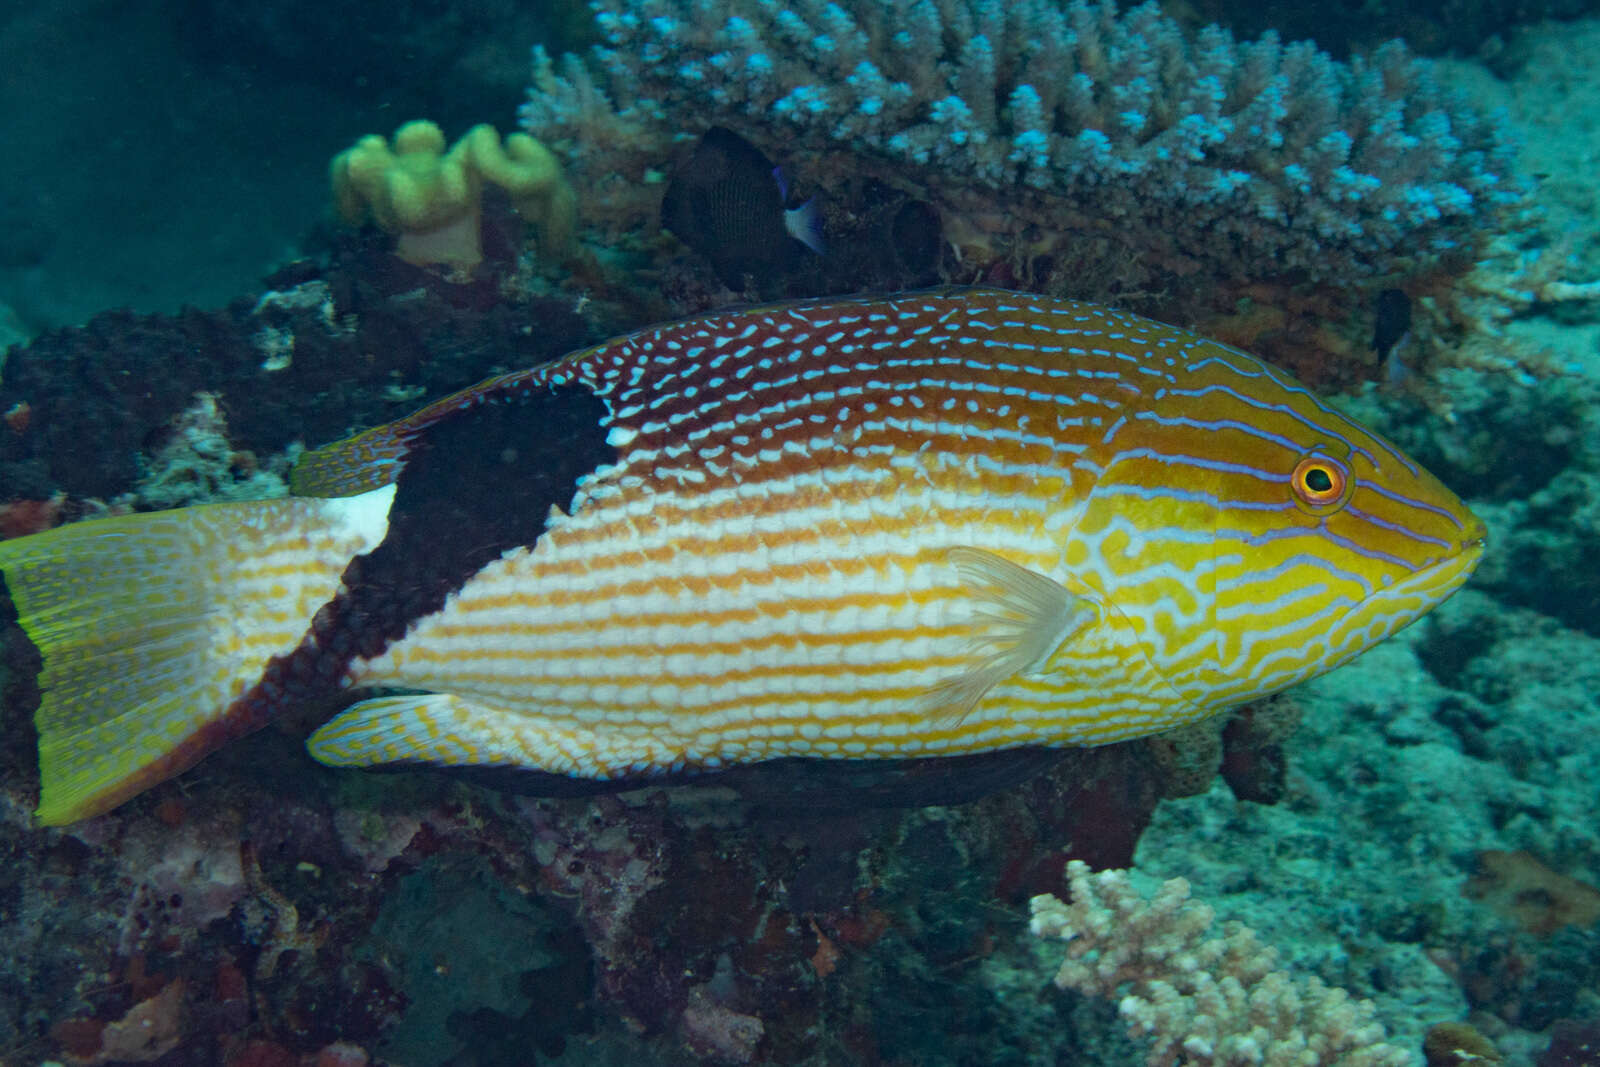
151	625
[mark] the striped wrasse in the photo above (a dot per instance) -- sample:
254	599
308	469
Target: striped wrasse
941	523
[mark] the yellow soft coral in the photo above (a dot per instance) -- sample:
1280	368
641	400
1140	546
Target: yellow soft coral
431	198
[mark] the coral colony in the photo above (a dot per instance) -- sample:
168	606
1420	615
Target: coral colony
1238	159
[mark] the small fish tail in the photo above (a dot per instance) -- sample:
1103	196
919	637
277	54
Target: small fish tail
804	224
151	626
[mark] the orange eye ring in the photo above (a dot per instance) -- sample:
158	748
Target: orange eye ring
1319	481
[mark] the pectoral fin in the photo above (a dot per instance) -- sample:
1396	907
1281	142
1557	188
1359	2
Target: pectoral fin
1021	618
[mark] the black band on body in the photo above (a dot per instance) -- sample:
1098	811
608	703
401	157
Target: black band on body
476	485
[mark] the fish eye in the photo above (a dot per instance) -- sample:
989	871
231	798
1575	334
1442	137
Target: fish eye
1319	481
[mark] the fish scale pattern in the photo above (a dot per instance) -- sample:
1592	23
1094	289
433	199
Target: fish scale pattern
1246	158
795	550
763	571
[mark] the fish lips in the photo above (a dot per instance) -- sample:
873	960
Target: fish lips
1395	606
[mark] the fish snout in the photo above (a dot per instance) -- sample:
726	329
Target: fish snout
1475	538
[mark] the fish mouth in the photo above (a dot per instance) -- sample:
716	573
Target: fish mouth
1474	537
1450	568
1443	576
1388	610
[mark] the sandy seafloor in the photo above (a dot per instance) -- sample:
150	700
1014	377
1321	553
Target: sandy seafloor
1397	781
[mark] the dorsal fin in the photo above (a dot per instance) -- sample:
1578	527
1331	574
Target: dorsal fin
374	458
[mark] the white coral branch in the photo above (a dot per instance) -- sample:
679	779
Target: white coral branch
1201	996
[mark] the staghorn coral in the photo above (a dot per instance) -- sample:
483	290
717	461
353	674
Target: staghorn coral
1119	143
1202	998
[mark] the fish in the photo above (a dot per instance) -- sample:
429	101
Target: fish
929	524
1391	321
729	203
1390	330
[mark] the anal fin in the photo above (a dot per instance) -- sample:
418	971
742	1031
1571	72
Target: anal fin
1021	619
446	730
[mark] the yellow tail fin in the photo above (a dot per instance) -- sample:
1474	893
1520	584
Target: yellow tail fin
151	625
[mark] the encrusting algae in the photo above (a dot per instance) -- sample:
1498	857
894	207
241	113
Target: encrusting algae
936	523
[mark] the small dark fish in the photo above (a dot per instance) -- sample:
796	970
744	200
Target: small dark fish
729	203
1390	332
1393	321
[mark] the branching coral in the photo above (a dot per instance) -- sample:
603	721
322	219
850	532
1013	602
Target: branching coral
1239	160
1198	997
